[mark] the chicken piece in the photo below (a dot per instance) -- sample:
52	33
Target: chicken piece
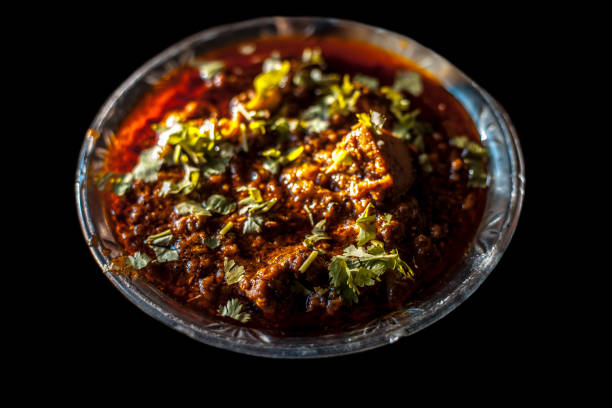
383	165
269	287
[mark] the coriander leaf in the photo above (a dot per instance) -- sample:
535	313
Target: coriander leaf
191	207
218	159
316	111
339	156
272	165
266	85
189	181
318	234
312	56
220	204
275	159
123	184
251	206
378	268
139	260
342	99
212	242
375	121
477	176
363	277
408	81
163	238
366	80
324	80
293	153
208	69
474	156
338	271
185	186
367	231
471	148
161	245
272	63
272	152
165	254
253	224
146	169
358	267
387	218
356	252
234	273
148	165
233	310
309	215
316	125
128	263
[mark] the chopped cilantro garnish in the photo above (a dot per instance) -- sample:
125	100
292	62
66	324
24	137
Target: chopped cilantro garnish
233	310
208	69
316	125
185	186
139	260
191	207
212	242
339	156
275	159
199	145
366	80
258	126
358	267
367	231
219	204
162	238
312	56
162	246
470	148
252	206
149	163
128	263
473	155
226	228
409	81
313	255
343	98
266	85
309	215
374	120
387	217
253	224
318	234
234	273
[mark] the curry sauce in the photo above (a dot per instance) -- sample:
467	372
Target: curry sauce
294	184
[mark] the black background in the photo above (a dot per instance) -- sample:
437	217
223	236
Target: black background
504	327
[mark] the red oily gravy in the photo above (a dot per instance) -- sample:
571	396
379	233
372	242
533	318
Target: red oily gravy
421	204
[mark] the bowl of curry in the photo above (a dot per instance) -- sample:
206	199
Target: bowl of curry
299	187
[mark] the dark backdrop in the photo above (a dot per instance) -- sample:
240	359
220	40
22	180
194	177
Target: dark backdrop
501	328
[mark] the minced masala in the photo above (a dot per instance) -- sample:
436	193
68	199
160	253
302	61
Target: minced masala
299	185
